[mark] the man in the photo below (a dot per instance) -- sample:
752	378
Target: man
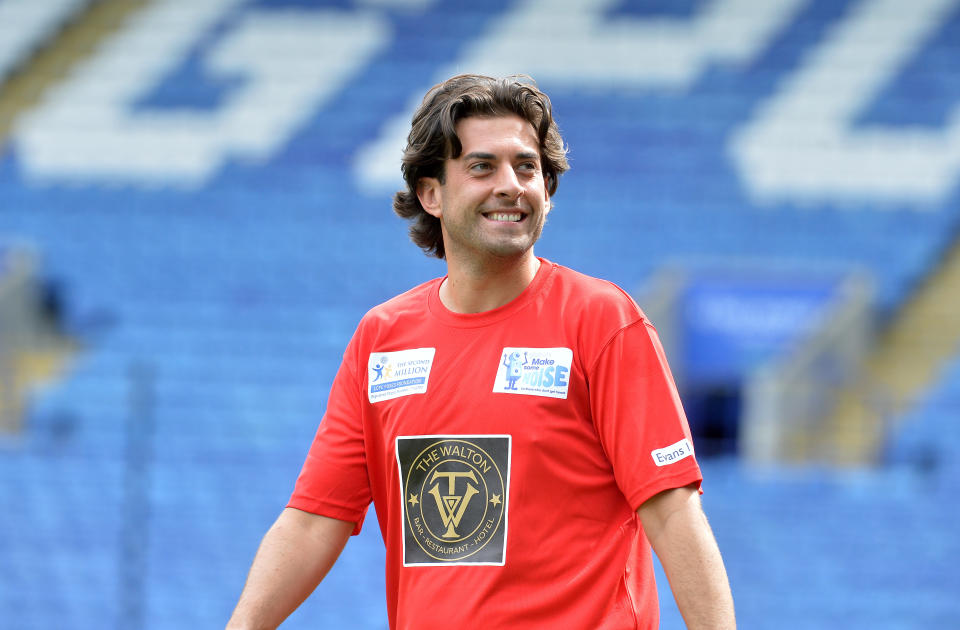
528	446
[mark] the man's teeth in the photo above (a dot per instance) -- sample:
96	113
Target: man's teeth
506	216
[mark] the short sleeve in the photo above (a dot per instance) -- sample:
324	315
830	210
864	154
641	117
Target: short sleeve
639	417
334	481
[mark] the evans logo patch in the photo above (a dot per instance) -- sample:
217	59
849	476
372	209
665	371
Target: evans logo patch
395	374
673	453
534	372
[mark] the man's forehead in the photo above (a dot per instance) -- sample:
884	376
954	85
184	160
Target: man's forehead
486	134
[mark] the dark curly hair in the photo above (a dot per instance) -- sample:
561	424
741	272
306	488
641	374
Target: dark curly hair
433	139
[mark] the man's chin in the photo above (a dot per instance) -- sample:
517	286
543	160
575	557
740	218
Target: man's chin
513	252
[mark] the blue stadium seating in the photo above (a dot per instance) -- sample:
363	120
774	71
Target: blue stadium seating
927	437
224	310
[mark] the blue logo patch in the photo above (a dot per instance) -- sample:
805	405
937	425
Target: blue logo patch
534	372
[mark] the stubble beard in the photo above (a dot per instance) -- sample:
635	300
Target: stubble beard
504	249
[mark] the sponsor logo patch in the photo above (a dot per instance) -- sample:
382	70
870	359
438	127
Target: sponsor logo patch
454	498
673	453
534	372
395	374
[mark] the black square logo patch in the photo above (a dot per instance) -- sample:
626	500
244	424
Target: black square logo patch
454	495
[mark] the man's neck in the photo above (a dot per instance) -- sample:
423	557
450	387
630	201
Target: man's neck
479	288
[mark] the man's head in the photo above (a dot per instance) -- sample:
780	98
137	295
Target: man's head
433	140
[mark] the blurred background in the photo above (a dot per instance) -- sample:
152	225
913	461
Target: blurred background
195	213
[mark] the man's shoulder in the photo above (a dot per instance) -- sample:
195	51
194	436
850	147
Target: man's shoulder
412	302
592	292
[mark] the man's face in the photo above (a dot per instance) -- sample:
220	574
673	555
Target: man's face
493	202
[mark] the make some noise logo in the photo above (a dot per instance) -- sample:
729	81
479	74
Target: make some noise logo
454	494
395	374
534	372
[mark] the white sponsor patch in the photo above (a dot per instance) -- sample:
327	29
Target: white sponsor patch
673	453
401	373
534	372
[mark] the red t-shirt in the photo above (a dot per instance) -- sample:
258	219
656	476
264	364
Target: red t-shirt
506	453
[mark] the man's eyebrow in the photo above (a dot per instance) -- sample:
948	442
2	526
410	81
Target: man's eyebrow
478	155
481	155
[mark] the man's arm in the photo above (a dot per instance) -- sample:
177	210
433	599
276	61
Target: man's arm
295	555
683	541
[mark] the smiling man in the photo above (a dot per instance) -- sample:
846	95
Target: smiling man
514	423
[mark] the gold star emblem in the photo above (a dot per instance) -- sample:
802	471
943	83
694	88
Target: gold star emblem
495	499
412	500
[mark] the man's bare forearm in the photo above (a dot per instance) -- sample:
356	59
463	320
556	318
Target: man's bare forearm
684	543
294	556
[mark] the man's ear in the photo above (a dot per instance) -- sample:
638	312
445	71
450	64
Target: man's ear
428	192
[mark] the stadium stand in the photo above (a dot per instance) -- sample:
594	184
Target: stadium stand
928	438
25	26
30	346
213	294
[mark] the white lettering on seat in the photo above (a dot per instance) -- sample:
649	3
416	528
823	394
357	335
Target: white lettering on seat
668	54
291	62
801	145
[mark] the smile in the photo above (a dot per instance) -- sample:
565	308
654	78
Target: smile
505	216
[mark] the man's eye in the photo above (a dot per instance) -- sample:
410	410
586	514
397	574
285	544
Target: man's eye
480	166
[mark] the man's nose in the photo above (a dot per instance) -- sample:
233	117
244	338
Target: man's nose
508	185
